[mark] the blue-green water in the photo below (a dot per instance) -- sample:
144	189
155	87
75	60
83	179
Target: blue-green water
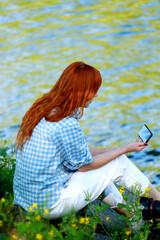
38	39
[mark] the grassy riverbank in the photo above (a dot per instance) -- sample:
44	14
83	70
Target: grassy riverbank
17	224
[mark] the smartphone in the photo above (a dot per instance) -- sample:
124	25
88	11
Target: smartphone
145	133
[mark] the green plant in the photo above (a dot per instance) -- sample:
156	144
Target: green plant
134	229
7	168
34	226
6	216
75	227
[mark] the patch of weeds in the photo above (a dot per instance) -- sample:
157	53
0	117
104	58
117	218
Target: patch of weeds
7	169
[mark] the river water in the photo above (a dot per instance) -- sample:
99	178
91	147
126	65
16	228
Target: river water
38	39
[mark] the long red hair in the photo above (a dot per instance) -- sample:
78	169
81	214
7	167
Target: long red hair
77	84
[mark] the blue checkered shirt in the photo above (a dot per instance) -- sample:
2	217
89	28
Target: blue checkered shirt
48	159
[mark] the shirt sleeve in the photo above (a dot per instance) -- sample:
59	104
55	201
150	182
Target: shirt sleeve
74	150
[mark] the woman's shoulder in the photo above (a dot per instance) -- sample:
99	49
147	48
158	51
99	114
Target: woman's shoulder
64	123
55	130
68	122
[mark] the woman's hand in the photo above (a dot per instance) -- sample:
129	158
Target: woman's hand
135	146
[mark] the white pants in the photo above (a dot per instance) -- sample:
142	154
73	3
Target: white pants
91	184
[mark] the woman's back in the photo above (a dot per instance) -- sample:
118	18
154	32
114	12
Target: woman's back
47	161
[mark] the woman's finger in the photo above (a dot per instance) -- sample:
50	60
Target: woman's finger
137	140
142	144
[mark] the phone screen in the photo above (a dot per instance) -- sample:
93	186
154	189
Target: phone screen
145	134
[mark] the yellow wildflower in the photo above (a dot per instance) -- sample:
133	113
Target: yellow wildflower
38	218
137	202
51	233
34	205
74	225
128	233
135	183
87	220
147	189
146	194
82	220
30	208
46	211
121	190
107	218
151	221
3	199
1	223
39	236
14	237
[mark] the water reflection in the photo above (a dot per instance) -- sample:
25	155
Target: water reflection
121	38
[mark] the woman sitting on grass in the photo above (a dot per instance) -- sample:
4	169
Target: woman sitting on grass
55	169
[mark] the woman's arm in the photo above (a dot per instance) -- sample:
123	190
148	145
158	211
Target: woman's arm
101	159
96	151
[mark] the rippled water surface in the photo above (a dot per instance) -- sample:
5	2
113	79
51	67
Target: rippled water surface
38	39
